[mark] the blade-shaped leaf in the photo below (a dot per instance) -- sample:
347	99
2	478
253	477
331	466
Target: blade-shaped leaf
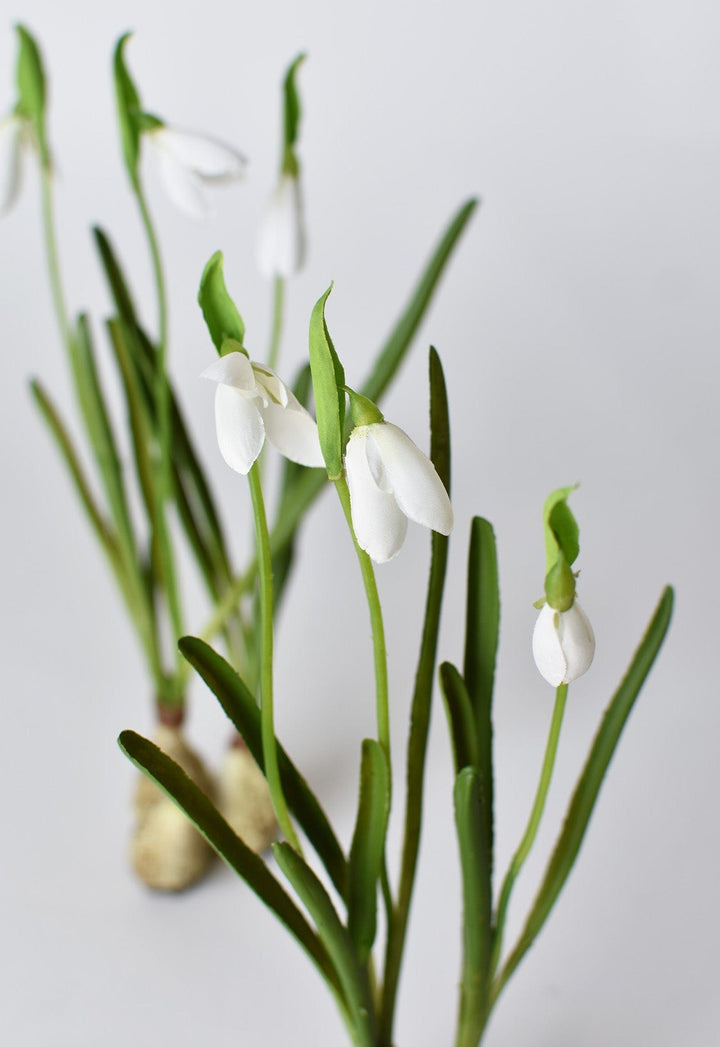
116	280
368	847
335	938
588	786
477	904
162	770
328	379
482	626
242	709
461	719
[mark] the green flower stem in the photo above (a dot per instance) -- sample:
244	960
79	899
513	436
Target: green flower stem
277	321
164	424
53	258
269	743
532	826
376	622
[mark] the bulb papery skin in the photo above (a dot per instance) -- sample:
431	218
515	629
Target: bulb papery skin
189	162
281	244
11	135
244	799
252	404
391	481
563	644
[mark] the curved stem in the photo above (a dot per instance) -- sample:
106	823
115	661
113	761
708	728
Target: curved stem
376	623
53	258
532	826
269	743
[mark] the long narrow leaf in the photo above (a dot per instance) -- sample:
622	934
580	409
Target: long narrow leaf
588	786
368	847
461	718
242	709
335	938
482	625
158	766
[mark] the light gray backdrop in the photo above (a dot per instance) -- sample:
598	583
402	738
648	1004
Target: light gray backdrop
578	327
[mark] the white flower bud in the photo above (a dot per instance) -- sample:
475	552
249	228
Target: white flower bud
563	644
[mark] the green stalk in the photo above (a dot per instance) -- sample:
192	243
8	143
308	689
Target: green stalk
269	743
532	826
277	321
53	259
376	624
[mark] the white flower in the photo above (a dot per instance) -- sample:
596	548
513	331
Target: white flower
252	403
11	143
281	246
563	644
391	481
188	163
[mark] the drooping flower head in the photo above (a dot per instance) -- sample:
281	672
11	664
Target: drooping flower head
563	642
391	481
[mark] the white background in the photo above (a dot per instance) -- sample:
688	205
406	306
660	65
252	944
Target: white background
578	326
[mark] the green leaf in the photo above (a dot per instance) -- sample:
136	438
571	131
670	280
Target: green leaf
328	380
129	110
221	315
482	625
166	774
115	278
394	350
368	847
477	905
242	709
335	938
588	787
30	79
291	119
461	719
560	528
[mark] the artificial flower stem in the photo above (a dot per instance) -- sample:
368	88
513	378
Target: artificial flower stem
278	309
533	824
267	725
162	401
53	257
376	623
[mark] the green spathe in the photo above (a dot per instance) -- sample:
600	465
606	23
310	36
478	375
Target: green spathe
291	119
223	320
328	379
30	80
562	546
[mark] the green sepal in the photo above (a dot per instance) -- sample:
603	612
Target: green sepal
477	905
221	315
336	939
461	719
328	379
560	584
173	781
587	789
129	110
30	80
291	119
242	710
560	527
368	847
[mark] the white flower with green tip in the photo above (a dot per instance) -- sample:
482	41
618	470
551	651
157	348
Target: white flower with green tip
188	163
391	481
252	404
281	246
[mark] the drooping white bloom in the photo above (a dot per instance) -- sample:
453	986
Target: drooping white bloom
391	481
189	162
563	644
11	136
252	403
281	246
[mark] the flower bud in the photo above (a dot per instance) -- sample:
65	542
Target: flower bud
563	644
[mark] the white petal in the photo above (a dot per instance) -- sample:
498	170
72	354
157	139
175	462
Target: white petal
411	476
563	644
293	433
281	246
207	157
183	186
270	387
232	369
379	524
10	161
240	429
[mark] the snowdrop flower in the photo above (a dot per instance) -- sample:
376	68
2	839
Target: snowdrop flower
391	481
12	130
563	644
252	403
281	247
188	163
